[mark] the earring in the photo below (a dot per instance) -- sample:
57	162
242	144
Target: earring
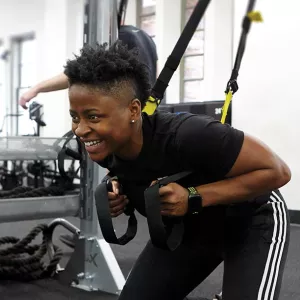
132	121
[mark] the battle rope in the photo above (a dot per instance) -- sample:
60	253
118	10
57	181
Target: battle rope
15	191
23	262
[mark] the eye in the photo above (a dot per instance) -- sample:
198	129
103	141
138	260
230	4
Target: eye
93	117
75	119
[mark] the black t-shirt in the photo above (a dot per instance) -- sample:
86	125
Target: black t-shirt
135	37
174	143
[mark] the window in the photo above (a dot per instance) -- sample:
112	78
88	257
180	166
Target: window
2	83
147	22
24	76
192	71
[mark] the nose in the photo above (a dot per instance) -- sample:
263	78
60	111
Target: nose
82	129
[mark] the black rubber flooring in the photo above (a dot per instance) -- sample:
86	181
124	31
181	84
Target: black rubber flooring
126	255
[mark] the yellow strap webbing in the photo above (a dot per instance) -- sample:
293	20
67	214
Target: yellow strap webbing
255	16
226	106
151	106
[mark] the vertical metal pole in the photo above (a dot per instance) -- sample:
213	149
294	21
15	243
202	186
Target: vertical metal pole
101	22
93	263
113	22
18	86
100	26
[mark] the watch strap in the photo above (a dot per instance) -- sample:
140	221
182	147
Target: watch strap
194	201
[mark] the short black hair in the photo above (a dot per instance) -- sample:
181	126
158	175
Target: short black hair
108	68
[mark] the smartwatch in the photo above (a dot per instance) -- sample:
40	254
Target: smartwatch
194	201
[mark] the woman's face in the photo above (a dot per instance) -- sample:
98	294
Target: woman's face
103	122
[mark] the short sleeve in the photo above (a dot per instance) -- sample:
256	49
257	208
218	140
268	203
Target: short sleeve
206	145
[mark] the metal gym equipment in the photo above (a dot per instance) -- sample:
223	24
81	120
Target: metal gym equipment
92	266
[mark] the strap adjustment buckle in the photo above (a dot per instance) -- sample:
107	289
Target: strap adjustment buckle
232	85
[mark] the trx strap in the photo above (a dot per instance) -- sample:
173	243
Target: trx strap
174	59
169	237
105	220
165	235
101	199
232	86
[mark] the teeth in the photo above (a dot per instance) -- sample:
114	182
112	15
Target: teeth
93	143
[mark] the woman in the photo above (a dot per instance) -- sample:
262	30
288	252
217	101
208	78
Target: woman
242	218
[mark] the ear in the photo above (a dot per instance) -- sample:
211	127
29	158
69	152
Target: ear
135	109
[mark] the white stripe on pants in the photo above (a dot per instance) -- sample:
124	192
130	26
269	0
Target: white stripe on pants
270	276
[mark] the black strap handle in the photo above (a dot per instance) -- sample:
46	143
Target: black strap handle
62	155
105	220
165	235
65	151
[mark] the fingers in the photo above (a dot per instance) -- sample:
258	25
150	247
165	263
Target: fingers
112	196
166	213
28	96
153	182
117	204
120	200
166	189
114	215
116	187
166	208
22	103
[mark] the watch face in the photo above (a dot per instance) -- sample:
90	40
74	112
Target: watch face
195	204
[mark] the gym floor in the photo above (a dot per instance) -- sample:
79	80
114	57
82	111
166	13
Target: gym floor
126	256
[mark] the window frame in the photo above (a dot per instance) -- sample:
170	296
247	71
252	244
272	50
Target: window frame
182	65
2	86
16	77
140	15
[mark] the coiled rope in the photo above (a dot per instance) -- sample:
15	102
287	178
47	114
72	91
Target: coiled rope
23	262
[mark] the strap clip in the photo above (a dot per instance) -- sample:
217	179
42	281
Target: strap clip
232	85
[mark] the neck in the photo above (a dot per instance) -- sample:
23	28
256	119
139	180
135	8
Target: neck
134	146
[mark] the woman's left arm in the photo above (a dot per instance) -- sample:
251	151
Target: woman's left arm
257	170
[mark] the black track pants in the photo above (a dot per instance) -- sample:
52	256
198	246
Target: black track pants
251	239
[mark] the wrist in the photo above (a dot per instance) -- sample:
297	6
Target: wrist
194	201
